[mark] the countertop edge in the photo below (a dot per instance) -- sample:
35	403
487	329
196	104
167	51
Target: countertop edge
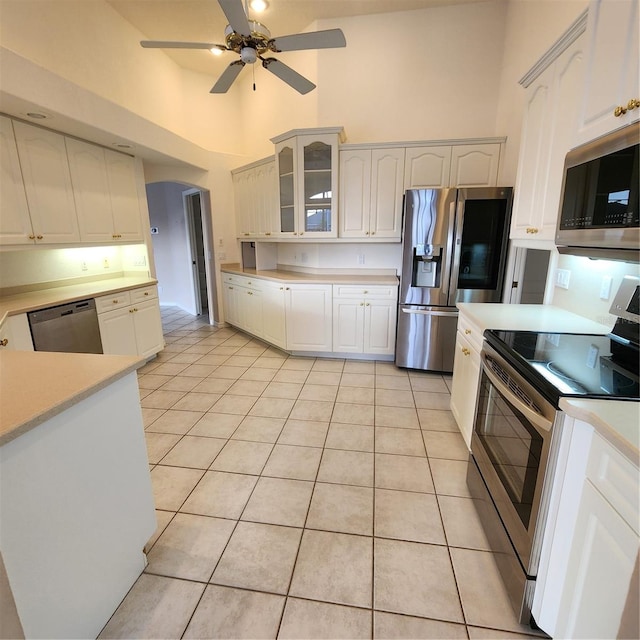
127	365
24	303
278	275
600	414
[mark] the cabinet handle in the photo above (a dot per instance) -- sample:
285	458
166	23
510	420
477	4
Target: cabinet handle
268	233
365	291
38	237
362	304
532	230
230	288
619	111
32	237
286	288
466	351
367	233
246	234
302	232
131	310
4	342
115	301
249	293
633	103
373	233
467	331
281	288
146	293
366	304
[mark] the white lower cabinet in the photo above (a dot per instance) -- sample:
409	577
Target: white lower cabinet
591	542
309	316
464	390
15	334
364	320
132	325
273	314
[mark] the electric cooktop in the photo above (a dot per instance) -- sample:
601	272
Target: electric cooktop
569	364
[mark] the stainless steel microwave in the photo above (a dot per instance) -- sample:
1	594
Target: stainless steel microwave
599	210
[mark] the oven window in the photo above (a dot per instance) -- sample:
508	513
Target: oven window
513	445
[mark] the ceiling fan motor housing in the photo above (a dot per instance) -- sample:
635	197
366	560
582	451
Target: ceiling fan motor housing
248	55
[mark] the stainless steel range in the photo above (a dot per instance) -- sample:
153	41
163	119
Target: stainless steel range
516	430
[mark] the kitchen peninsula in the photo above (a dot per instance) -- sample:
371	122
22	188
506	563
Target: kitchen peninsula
77	506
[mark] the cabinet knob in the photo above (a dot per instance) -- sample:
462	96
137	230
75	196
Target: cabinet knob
246	234
366	304
230	288
131	310
301	233
286	288
32	237
633	104
365	291
373	233
367	233
362	304
249	293
466	351
146	293
4	342
467	331
532	230
38	237
619	111
268	233
281	288
115	301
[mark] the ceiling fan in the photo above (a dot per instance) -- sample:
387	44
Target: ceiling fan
252	41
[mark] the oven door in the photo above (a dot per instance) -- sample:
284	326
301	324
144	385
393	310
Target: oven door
510	444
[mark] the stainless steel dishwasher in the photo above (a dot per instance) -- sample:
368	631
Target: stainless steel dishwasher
72	328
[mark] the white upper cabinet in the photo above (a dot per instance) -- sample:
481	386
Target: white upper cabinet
105	192
307	170
474	165
123	192
47	182
548	130
15	223
427	167
459	165
371	190
611	96
256	200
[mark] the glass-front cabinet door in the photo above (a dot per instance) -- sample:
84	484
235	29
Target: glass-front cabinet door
307	165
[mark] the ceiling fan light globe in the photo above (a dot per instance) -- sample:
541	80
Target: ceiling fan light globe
248	55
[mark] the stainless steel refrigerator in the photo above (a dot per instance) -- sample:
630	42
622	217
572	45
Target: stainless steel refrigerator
454	250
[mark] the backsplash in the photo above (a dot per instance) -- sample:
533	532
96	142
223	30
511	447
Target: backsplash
586	280
33	266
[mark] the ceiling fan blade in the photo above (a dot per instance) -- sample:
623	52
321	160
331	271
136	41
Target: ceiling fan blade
291	77
315	40
227	77
236	17
166	44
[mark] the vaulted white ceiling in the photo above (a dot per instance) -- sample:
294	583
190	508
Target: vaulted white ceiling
204	21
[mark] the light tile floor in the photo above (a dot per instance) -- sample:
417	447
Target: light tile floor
305	498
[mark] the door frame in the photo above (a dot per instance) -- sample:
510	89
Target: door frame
207	242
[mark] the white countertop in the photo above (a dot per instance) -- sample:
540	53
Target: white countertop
616	421
37	385
529	317
33	300
280	275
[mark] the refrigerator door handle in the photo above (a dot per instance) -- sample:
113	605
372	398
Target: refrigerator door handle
447	255
428	312
456	248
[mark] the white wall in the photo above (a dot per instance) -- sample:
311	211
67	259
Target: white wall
341	256
29	267
171	245
583	295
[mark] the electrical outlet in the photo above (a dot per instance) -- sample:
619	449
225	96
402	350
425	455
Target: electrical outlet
605	287
361	258
140	261
105	264
562	278
553	338
83	265
222	256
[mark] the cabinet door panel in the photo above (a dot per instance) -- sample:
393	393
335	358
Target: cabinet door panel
47	181
427	167
273	315
117	332
387	178
474	165
601	563
91	191
148	328
348	326
611	69
464	390
125	205
231	312
355	193
309	318
379	327
252	312
15	223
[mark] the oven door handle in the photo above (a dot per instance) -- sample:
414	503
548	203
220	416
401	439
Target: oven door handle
534	417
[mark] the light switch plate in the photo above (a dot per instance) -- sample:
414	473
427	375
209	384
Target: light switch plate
562	278
605	287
